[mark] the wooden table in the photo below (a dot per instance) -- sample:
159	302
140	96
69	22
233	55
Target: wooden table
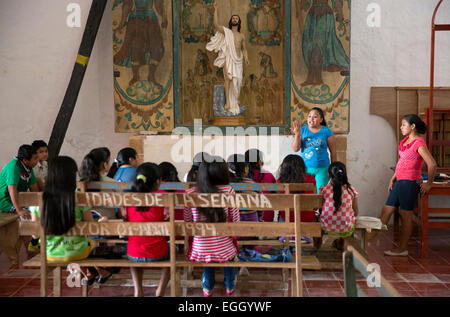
436	190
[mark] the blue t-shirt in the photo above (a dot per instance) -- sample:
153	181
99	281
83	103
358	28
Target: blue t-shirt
125	174
314	149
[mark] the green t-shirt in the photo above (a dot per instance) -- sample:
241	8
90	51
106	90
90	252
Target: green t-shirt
11	174
65	248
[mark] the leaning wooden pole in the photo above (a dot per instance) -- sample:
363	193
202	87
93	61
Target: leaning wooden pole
70	99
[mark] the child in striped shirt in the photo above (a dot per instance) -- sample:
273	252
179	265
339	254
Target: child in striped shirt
213	177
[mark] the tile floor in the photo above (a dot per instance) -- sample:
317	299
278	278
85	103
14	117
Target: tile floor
412	276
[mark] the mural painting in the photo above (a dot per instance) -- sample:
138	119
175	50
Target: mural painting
143	65
320	60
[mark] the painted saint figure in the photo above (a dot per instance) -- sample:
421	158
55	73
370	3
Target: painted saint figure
230	44
143	43
322	49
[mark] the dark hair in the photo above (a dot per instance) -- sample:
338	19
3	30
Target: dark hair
230	24
26	152
338	176
147	174
90	166
58	214
236	163
37	144
414	119
292	169
322	115
198	159
123	158
210	175
169	172
252	157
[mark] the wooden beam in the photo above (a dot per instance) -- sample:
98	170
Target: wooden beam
68	105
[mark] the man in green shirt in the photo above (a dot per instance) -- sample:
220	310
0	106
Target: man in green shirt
17	176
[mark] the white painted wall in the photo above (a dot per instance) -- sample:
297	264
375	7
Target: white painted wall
38	50
37	55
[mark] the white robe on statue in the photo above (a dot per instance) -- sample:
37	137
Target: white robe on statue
224	45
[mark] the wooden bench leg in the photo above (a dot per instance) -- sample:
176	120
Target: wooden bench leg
57	282
84	290
285	280
178	284
185	278
293	283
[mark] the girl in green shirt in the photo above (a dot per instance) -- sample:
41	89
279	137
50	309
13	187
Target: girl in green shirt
60	214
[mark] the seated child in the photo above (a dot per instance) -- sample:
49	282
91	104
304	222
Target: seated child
340	207
150	248
213	177
254	158
59	215
293	170
124	166
41	168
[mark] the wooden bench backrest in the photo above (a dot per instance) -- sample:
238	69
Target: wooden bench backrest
119	199
353	259
267	187
6	219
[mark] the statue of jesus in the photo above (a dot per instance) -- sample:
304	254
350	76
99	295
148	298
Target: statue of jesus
230	44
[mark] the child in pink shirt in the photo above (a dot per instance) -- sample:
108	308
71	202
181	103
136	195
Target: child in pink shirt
213	177
147	248
254	158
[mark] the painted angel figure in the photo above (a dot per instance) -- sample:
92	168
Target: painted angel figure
322	49
143	43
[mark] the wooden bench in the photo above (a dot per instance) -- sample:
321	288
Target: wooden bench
352	260
172	228
283	188
9	233
238	187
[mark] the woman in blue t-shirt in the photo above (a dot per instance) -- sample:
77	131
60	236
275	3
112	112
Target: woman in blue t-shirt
314	140
124	167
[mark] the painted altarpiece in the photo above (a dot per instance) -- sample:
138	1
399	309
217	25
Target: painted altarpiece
300	44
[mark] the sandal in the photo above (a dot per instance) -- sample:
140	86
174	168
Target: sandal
390	253
205	294
229	293
93	278
103	280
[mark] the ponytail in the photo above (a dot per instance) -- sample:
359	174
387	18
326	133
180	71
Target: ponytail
123	158
147	177
338	175
113	170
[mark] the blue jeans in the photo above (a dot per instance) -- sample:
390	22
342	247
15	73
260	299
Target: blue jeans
209	280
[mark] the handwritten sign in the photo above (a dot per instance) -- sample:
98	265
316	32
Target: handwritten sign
121	229
256	201
198	228
112	199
